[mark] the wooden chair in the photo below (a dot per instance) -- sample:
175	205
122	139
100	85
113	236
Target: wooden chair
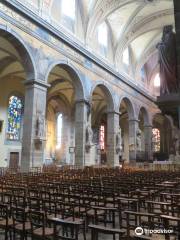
171	222
39	229
5	222
69	229
21	223
96	229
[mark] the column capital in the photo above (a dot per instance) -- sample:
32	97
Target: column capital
148	126
114	112
134	120
36	82
83	101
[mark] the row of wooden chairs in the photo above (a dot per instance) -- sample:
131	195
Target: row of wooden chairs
73	199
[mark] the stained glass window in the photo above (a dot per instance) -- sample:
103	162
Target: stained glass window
156	139
15	109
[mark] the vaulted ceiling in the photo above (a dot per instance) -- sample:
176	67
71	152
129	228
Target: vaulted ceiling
133	24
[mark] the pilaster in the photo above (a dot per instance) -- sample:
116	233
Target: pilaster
81	112
133	128
112	130
148	142
34	124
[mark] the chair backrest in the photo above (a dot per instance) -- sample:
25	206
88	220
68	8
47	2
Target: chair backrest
3	211
18	214
37	219
34	203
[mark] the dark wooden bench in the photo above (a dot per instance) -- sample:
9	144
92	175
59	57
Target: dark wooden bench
95	229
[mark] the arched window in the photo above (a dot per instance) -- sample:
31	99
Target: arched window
103	38
15	109
157	80
103	35
126	56
156	140
68	8
59	131
68	14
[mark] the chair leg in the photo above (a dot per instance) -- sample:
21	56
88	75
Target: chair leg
77	231
92	234
14	235
10	234
96	237
84	231
6	234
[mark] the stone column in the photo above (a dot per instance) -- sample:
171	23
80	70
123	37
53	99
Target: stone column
35	105
112	130
148	142
133	127
80	132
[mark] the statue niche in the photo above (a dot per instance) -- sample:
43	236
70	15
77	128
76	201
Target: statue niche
167	61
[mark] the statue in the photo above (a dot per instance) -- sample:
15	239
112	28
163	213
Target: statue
138	139
40	125
167	61
89	135
177	144
88	110
119	142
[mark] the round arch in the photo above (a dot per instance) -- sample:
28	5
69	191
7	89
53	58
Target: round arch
130	107
28	62
73	72
145	115
108	92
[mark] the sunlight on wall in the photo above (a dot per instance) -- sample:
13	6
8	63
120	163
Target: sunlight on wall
157	80
59	131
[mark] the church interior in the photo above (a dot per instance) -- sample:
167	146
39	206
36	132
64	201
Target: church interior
90	119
